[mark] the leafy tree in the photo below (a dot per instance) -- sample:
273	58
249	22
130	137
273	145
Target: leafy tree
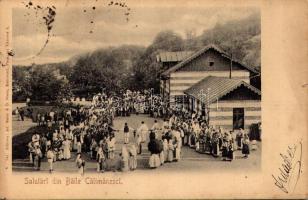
20	83
108	68
146	70
45	84
242	38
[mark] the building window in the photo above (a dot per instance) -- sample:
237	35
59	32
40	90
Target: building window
211	63
238	118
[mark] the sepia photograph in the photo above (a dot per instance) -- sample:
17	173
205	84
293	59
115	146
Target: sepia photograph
172	99
106	87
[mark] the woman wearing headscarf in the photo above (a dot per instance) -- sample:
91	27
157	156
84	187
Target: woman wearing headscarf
132	157
154	148
170	150
215	144
125	158
230	150
245	149
80	164
66	149
239	139
225	145
100	158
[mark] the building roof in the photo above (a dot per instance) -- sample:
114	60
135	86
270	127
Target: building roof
173	56
198	53
217	87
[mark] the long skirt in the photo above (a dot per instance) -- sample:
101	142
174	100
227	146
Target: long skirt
154	161
111	154
215	149
192	140
125	166
170	155
133	162
37	162
66	153
189	139
162	157
143	136
81	170
207	147
245	149
239	143
31	157
78	147
177	154
230	155
220	143
224	152
202	147
75	144
50	161
166	153
155	114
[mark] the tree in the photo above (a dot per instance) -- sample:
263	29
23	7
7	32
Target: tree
20	83
45	85
146	70
239	37
108	68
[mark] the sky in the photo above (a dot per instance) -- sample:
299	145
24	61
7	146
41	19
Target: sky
71	29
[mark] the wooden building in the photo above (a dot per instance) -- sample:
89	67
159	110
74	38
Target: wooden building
168	60
228	103
209	61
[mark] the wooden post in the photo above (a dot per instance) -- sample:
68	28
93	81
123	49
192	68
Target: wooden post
231	67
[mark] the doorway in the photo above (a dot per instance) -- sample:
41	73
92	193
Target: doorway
238	118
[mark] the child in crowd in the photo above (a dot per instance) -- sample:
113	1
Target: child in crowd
50	157
80	164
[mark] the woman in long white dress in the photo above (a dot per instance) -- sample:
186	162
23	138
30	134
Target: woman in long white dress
125	158
66	149
100	158
165	149
80	164
133	157
111	147
170	150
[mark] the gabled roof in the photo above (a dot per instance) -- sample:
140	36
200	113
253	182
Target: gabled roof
198	53
173	56
216	87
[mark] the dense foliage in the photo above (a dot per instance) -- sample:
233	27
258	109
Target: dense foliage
132	67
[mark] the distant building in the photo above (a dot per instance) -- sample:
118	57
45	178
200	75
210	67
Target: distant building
169	59
209	61
197	81
228	103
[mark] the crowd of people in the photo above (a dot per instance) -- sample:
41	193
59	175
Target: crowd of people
88	130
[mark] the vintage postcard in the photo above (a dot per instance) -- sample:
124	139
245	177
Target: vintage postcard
131	99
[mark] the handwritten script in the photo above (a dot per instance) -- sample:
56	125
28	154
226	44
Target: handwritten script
290	169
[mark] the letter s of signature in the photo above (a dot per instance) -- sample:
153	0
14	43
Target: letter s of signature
290	169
